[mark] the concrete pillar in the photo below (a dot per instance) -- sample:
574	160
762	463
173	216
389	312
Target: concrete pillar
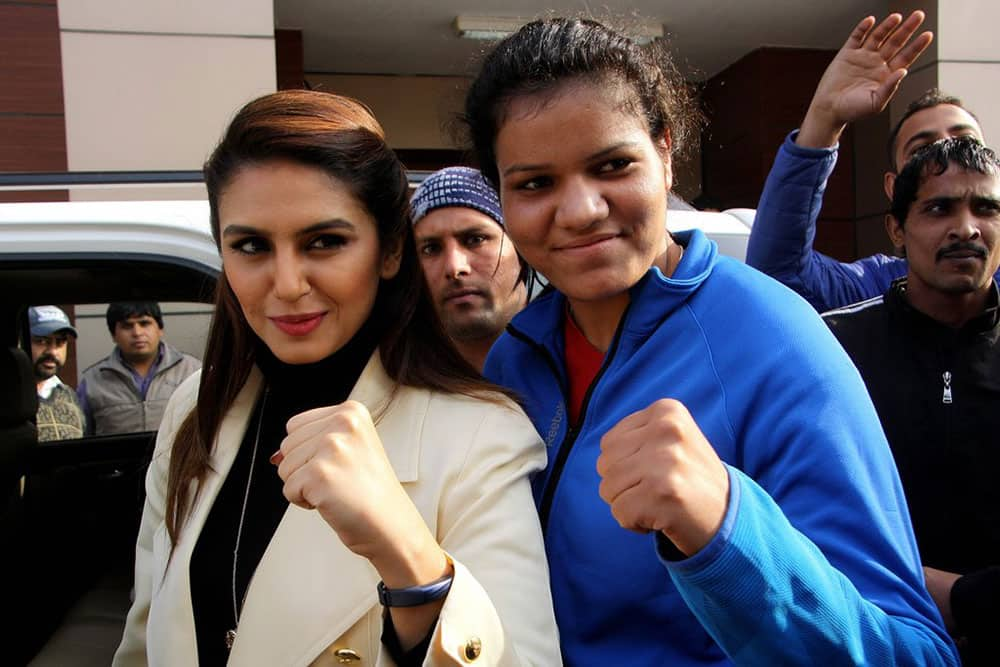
963	60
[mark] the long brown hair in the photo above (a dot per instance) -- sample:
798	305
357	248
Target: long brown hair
340	136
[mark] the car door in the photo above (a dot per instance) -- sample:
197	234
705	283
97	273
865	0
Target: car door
71	508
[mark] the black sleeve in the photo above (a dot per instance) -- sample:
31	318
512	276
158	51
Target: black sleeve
412	658
667	549
975	606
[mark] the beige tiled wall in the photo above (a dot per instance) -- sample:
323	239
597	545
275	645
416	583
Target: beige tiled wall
151	85
205	17
964	59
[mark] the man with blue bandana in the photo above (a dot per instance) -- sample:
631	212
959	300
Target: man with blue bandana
476	279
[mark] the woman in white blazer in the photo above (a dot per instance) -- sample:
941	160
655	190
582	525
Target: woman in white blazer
337	486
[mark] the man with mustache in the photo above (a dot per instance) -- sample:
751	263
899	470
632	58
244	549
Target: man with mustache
929	355
858	84
475	277
59	415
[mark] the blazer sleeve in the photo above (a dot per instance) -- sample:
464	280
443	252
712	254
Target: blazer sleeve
499	608
132	650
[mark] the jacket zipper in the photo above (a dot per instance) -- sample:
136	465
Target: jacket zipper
548	493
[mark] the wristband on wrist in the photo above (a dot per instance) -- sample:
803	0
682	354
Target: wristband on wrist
414	596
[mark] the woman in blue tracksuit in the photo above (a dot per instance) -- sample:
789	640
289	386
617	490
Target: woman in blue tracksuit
718	488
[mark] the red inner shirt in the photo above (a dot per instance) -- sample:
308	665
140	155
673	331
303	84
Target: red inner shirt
583	361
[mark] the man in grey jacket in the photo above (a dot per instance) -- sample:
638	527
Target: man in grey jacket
127	391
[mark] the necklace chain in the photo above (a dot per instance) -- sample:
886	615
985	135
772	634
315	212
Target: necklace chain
231	634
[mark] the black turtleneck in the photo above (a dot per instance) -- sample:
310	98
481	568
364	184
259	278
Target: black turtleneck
291	389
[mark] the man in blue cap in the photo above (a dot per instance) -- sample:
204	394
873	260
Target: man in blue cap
476	279
59	415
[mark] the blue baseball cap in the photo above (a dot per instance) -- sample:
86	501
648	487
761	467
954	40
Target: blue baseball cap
47	320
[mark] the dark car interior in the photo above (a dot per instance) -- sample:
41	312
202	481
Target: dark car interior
69	510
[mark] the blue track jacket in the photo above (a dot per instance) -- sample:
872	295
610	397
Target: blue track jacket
815	562
784	228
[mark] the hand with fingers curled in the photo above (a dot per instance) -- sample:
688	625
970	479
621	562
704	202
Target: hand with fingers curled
660	473
333	461
863	76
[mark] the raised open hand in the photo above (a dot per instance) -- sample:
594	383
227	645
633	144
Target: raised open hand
863	76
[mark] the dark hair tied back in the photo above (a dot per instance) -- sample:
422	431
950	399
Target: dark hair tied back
544	55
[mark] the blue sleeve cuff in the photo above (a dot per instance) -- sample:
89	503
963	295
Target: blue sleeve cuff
804	151
672	557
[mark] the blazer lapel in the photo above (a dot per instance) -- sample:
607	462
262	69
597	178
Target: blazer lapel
399	414
309	589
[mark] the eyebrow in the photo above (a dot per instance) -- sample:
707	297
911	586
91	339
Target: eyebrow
326	225
479	228
991	199
604	152
474	228
941	199
974	197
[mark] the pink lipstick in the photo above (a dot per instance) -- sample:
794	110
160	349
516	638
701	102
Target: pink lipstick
298	325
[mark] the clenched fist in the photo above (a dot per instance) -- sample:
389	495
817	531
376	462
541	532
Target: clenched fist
660	473
333	461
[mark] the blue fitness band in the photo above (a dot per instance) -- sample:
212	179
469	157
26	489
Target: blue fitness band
414	596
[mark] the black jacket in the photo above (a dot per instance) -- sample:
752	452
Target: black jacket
937	393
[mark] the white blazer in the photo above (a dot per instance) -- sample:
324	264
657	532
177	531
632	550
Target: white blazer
465	464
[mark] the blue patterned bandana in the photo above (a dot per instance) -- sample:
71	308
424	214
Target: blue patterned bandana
456	186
